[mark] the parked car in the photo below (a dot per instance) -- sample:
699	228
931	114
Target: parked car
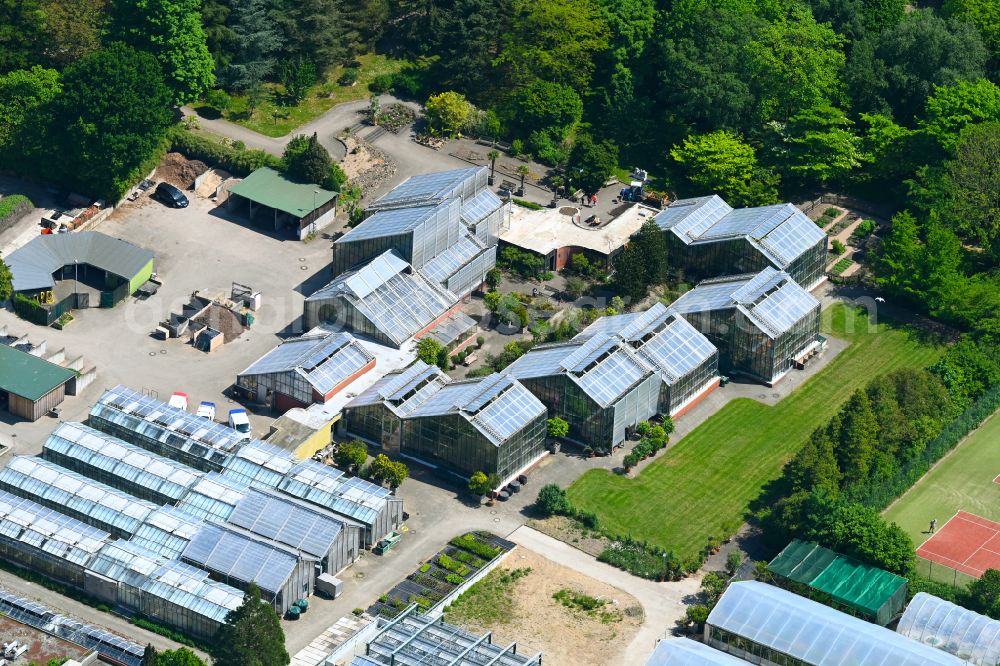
170	195
179	400
240	422
207	409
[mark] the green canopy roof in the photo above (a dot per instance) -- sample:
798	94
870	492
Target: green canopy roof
271	188
848	581
29	376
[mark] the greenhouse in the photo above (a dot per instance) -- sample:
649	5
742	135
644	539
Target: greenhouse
431	188
44	540
858	588
462	268
485	215
168	531
686	652
956	630
305	370
764	325
383	300
411	639
119	464
707	238
230	557
684	358
764	624
76	496
214	497
165	430
259	464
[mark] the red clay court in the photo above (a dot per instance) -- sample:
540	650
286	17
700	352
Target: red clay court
967	542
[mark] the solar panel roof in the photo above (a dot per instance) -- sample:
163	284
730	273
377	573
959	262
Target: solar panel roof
396	386
324	361
237	557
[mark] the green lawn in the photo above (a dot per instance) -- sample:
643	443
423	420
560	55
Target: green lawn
962	480
702	487
273	120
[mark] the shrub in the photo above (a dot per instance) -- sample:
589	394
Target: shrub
831	212
733	561
218	100
552	501
237	162
358	611
454	579
349	77
425	567
838	247
643	428
381	84
475	545
557	427
630	460
530	205
480	341
453	566
697	614
14	206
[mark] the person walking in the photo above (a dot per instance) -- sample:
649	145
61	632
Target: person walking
933	525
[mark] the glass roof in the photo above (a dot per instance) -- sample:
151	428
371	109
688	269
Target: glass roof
542	361
714	294
287	523
214	496
417	640
446	264
675	349
433	187
814	633
328	488
480	206
175	428
322	360
48	530
686	652
508	413
54	486
611	377
391	222
121	459
240	558
956	630
259	465
684	215
168	531
397	386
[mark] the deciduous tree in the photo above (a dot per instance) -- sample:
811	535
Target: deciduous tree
251	635
179	657
722	163
591	162
818	145
446	113
72	29
22	30
22	93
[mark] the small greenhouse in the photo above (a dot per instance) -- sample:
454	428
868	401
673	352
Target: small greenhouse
956	630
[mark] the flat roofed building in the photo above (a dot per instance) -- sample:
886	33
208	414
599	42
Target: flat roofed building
165	430
46	541
412	639
75	495
31	384
951	628
117	463
685	359
707	238
764	325
764	624
305	370
383	300
858	588
236	559
282	203
493	424
686	652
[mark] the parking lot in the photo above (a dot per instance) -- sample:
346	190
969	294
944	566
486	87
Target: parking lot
197	248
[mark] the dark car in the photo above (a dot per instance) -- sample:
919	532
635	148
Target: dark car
170	195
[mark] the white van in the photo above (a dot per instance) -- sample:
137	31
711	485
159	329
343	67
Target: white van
239	422
179	400
207	410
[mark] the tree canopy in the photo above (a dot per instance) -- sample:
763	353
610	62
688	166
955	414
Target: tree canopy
251	635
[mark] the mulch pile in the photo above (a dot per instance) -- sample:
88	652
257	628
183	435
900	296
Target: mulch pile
180	171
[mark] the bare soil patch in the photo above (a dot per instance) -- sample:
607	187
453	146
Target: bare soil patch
570	531
567	633
180	171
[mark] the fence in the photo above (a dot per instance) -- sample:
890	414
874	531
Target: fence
940	573
847	201
110	299
43	315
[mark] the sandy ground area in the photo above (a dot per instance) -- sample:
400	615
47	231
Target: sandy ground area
567	637
356	163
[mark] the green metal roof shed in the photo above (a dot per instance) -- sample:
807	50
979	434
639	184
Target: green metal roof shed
871	592
303	203
33	384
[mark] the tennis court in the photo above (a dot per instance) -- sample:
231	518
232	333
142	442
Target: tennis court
967	543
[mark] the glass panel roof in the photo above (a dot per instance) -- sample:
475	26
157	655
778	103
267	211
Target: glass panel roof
612	377
480	206
48	483
121	459
508	413
57	534
323	360
686	214
591	350
686	652
949	627
287	523
329	488
397	386
214	496
814	633
392	222
239	558
446	264
675	350
430	187
542	361
168	531
259	465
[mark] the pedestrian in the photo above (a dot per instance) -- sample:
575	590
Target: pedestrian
933	525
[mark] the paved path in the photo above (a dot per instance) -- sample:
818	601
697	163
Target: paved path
663	603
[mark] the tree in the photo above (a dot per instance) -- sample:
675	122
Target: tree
298	75
984	14
896	259
630	277
721	162
112	115
854	19
493	278
592	162
171	30
858	438
575	286
353	454
179	657
552	501
651	245
429	350
819	145
446	113
72	29
971	183
21	34
383	469
554	40
480	484
984	593
251	635
23	93
950	109
314	33
543	106
253	45
815	465
557	427
149	656
468	40
307	161
795	64
492	157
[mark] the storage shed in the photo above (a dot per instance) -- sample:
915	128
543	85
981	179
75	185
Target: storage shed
872	593
31	385
272	200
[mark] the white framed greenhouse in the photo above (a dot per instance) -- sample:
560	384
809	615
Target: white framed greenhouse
686	652
949	627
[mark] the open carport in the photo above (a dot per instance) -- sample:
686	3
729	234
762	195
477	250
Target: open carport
270	199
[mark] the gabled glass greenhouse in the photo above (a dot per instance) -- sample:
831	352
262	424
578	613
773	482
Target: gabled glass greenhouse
686	652
951	628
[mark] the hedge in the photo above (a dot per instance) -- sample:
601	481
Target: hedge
239	162
12	207
879	492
